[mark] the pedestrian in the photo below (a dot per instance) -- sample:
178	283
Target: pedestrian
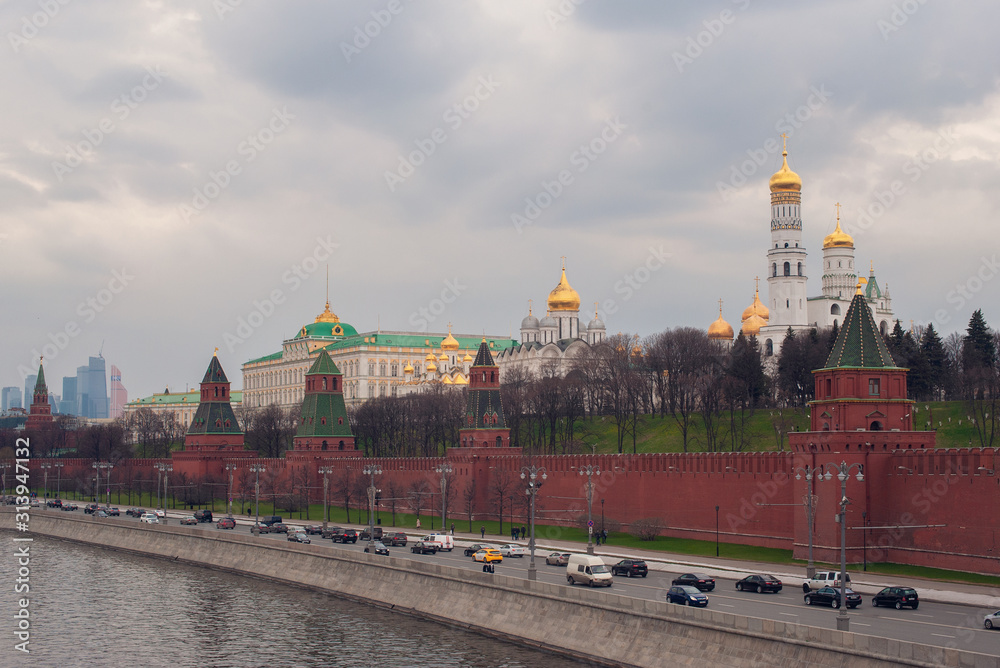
604	536
452	528
418	522
513	533
524	532
482	532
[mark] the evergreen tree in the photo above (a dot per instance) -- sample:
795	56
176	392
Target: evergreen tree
978	346
834	335
936	359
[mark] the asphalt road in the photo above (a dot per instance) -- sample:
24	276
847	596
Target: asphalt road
932	623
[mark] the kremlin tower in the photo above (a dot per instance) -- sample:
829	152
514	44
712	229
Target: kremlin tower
485	426
40	412
214	426
323	424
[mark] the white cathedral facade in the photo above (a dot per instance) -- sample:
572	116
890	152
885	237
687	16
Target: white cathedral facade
788	304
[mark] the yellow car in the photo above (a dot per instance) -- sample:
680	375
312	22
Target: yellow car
488	556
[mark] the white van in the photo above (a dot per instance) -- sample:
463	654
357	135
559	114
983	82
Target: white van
444	542
588	570
149	518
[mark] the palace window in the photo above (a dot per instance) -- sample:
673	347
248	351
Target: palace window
873	386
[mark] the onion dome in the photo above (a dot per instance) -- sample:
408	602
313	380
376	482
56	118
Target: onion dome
838	238
467	358
530	321
450	342
756	308
563	297
408	368
720	330
751	326
431	367
443	358
785	179
430	357
548	321
596	323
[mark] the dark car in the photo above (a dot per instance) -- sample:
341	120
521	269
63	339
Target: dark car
420	547
69	506
260	527
314	529
699	580
898	597
54	503
630	567
687	595
759	584
377	547
396	539
378	534
342	535
330	531
90	508
226	523
279	527
203	515
100	513
831	597
475	547
270	519
298	537
135	512
112	512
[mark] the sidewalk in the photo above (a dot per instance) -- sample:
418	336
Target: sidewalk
979	596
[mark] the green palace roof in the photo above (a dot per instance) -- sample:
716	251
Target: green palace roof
859	344
192	398
326	330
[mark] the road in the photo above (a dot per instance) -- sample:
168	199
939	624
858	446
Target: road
933	623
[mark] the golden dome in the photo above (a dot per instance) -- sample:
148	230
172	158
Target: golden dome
431	367
720	330
563	297
408	368
757	308
838	238
450	342
327	315
785	179
443	358
751	326
430	357
467	358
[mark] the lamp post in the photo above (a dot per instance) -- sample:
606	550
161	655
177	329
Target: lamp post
230	469
532	473
325	471
864	539
716	531
4	466
809	472
371	470
164	469
444	470
843	473
98	466
602	515
256	469
45	471
58	466
589	471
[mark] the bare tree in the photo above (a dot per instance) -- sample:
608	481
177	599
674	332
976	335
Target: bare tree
469	499
501	488
345	488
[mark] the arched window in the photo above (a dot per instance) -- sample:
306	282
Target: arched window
835	309
876	426
826	426
768	348
800	268
774	269
324	382
324	445
788	269
340	446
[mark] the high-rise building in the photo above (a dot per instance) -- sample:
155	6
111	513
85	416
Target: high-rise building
92	389
67	405
11	398
119	395
29	388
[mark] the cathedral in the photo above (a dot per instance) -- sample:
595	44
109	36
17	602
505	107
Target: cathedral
788	304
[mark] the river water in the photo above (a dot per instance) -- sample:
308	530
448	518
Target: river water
96	607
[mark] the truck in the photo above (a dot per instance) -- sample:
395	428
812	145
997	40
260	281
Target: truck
824	579
444	542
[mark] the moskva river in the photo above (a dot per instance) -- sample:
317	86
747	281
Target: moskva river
95	607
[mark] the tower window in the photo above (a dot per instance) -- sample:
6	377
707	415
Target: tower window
786	244
835	309
873	386
774	269
800	268
788	269
787	304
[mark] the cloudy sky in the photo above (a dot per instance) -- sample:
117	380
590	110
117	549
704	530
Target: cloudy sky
176	176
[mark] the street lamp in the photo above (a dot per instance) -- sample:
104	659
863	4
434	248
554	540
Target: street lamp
809	472
5	466
164	469
97	489
58	467
590	470
716	531
444	470
602	516
45	471
256	469
864	544
325	471
532	473
843	473
230	468
371	471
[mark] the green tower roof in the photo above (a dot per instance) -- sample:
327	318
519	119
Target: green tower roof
40	382
484	357
214	373
859	345
324	364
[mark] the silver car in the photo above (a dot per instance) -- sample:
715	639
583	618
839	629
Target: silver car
992	620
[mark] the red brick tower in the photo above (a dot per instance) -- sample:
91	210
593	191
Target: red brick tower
324	429
40	413
484	426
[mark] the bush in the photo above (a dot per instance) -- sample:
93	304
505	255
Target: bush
647	528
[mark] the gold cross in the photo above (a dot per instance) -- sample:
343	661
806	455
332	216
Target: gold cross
563	261
784	141
838	211
720	307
